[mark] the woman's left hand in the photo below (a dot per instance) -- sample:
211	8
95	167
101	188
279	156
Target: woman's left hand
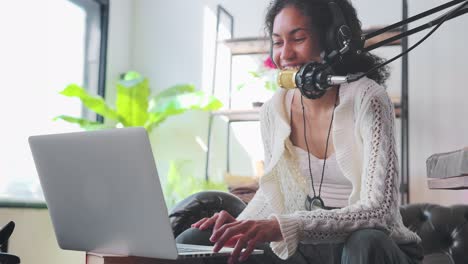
245	234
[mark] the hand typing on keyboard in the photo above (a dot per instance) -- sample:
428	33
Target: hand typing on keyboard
244	234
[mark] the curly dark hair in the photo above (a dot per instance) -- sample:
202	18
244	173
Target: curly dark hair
321	19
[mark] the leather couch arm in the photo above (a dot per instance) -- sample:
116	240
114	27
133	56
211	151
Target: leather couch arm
443	230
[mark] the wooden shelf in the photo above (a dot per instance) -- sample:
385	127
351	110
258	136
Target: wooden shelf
253	114
381	37
248	46
261	45
239	115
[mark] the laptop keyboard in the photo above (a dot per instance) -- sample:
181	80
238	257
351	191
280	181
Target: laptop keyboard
187	249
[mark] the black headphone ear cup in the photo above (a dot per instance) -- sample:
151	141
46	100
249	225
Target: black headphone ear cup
337	37
343	35
339	32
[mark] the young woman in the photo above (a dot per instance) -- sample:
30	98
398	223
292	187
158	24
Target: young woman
330	189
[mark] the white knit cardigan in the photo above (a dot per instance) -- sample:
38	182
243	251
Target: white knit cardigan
363	137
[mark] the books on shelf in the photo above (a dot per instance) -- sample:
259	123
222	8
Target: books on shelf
448	165
452	183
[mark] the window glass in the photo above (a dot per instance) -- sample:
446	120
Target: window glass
45	46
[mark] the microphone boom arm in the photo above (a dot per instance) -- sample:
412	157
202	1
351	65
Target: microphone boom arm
414	30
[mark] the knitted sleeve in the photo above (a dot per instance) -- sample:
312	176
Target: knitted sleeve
266	132
378	201
257	209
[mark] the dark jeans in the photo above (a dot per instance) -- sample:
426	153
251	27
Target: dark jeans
366	246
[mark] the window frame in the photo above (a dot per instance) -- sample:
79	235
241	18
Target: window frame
104	31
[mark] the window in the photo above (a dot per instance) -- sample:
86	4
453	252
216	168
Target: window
46	45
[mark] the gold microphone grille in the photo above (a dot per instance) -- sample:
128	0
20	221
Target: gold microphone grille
286	79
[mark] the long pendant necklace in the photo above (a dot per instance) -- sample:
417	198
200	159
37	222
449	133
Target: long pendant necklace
316	201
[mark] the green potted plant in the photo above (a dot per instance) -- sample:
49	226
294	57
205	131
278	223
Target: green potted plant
135	106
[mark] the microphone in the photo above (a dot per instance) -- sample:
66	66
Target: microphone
313	79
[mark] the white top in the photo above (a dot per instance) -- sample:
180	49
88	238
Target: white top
365	149
336	188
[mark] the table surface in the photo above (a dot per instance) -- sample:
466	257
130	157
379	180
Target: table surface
95	258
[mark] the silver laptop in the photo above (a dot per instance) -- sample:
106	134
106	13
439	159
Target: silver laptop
104	195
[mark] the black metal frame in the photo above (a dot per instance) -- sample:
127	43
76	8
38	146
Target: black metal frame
104	24
104	4
220	10
404	116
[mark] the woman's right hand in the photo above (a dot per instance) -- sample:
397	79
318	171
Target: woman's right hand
215	222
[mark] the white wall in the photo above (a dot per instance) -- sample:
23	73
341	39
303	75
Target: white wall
119	44
438	108
167	48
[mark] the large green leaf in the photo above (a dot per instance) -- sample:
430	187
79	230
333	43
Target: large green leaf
96	104
174	90
132	101
131	75
189	101
178	104
255	74
153	121
271	86
84	123
240	86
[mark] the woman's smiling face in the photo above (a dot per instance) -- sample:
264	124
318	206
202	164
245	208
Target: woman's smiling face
294	42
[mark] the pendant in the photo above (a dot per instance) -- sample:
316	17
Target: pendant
314	202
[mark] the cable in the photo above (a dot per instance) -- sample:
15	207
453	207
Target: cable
354	78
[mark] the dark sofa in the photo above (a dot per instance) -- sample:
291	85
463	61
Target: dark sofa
443	230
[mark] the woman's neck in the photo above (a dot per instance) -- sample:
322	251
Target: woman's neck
322	104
